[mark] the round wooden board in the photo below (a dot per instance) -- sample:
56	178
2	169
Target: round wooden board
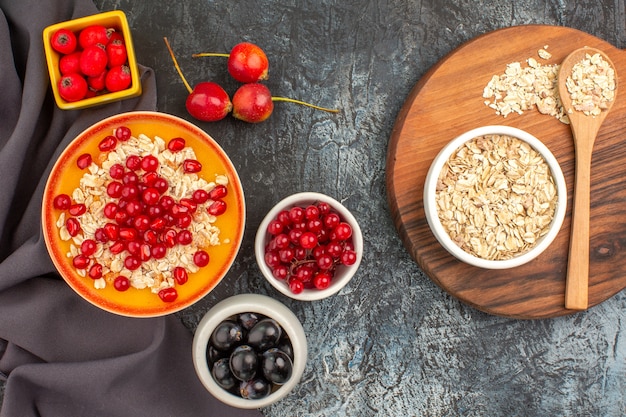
448	101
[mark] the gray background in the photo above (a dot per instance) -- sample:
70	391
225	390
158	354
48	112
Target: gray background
391	343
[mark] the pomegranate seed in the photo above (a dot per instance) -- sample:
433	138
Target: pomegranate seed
121	283
158	251
117	171
150	196
180	275
132	263
114	189
168	295
80	261
220	191
158	224
179	209
145	252
149	163
108	143
176	144
112	231
128	233
150	236
134	208
141	222
184	221
161	185
62	202
149	178
95	271
133	162
217	207
169	238
77	209
122	133
88	247
134	247
154	211
200	196
184	237
166	202
117	247
100	235
201	258
121	217
191	166
190	204
73	226
110	209
129	192
130	177
84	161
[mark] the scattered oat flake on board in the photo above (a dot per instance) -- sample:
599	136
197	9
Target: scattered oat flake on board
521	88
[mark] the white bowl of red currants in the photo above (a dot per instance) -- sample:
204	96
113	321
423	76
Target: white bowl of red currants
309	246
249	351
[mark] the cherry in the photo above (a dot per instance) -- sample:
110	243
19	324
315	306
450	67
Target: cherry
247	63
208	101
253	103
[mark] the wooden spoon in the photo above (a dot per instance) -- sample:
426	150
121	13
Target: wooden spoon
584	129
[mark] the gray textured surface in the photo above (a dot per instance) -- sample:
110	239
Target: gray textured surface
391	343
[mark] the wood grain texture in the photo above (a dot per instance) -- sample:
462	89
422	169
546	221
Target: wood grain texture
448	101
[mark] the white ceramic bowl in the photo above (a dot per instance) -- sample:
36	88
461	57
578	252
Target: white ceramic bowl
343	274
244	303
431	210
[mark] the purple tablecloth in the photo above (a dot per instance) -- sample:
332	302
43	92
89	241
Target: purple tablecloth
60	355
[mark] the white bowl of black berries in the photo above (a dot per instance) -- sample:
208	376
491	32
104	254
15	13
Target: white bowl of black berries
249	351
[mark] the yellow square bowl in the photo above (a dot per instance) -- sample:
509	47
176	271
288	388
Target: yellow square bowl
116	20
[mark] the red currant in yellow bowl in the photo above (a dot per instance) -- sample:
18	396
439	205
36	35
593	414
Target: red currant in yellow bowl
309	246
143	214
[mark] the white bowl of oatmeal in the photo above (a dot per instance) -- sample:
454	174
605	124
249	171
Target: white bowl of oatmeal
143	214
495	197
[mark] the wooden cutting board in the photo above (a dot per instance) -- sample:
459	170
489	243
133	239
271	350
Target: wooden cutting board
448	101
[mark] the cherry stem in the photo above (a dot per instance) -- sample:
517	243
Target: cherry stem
291	100
209	54
180	72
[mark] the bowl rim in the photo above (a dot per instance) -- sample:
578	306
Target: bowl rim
299	199
430	207
242	303
52	58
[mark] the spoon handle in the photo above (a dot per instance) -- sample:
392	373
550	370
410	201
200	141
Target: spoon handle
577	283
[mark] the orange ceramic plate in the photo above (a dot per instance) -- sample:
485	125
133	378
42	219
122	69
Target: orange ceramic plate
65	176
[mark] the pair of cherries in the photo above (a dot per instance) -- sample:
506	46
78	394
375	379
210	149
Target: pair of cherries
252	102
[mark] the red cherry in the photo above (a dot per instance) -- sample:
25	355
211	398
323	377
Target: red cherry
247	63
208	102
252	103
